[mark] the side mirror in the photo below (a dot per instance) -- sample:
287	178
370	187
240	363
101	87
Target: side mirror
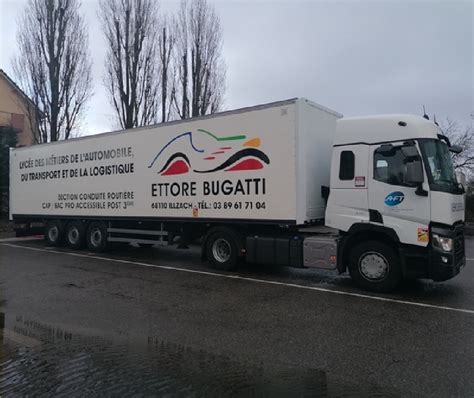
455	149
461	177
414	173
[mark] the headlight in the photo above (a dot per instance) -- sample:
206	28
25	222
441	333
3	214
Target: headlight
443	242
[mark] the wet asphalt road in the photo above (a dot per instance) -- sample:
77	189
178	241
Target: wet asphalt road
73	324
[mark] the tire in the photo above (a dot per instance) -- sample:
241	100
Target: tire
75	235
96	236
54	233
375	266
221	251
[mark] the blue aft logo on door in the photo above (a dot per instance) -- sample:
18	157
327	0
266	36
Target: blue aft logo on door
394	198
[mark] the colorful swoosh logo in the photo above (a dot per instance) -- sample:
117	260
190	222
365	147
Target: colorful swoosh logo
233	165
248	158
187	134
224	138
179	163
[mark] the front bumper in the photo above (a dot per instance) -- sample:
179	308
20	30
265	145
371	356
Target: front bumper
446	265
433	263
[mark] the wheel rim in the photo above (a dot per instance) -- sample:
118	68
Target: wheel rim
373	266
73	235
96	237
221	250
53	233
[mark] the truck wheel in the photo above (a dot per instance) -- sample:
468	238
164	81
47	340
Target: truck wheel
96	236
54	233
221	251
75	234
375	266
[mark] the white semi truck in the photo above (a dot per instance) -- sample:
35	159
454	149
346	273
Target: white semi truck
288	183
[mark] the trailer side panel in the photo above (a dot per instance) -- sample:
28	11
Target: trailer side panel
235	166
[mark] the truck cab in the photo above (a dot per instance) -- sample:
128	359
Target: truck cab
395	200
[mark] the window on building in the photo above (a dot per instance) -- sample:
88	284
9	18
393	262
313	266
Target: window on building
346	165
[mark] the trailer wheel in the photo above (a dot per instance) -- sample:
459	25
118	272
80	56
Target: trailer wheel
54	233
96	236
75	235
221	250
375	266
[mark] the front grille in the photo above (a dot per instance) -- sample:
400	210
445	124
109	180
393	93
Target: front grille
459	247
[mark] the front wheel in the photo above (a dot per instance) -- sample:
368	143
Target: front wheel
221	251
375	266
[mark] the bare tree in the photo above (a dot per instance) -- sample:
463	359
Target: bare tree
198	60
464	138
167	81
54	67
132	67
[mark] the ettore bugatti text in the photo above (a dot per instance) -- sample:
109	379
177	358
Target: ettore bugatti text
247	186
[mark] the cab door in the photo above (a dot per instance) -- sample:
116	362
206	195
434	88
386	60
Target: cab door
347	204
394	203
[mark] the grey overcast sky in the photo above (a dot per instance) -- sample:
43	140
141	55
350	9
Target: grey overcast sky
356	57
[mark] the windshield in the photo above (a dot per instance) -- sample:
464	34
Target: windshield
439	166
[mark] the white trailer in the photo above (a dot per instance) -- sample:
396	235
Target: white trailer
262	164
250	183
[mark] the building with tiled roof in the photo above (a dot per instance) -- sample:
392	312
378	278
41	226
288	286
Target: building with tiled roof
17	111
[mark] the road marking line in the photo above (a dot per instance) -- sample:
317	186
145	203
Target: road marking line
23	239
248	279
20	339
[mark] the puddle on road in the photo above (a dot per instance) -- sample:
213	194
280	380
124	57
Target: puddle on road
41	359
